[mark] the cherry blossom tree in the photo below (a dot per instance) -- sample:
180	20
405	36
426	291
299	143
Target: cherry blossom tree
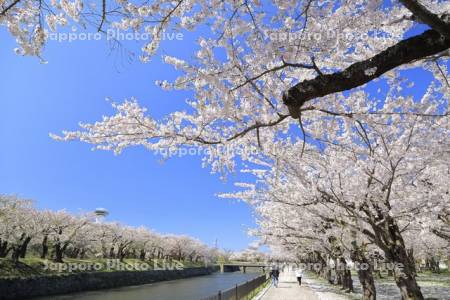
429	250
64	230
442	225
17	218
376	175
59	234
280	60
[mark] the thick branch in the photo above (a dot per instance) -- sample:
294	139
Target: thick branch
441	234
6	9
243	132
427	17
428	43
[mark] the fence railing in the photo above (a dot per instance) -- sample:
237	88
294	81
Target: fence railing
239	292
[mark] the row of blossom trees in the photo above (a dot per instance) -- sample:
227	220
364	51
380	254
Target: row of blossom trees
376	183
58	234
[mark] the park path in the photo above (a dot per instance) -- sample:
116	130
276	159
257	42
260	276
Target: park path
288	289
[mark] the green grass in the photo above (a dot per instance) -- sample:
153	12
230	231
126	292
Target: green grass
256	292
22	269
424	278
441	272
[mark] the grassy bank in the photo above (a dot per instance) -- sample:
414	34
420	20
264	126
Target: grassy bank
255	293
32	266
433	285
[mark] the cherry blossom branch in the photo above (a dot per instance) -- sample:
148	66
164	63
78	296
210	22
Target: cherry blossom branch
103	15
257	125
427	17
442	73
406	51
6	9
274	69
352	115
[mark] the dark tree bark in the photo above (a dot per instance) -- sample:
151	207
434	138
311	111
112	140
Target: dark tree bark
82	253
365	272
429	43
390	240
432	264
120	253
73	253
323	264
3	248
111	252
15	254
20	248
58	251
142	255
121	250
44	245
24	247
427	17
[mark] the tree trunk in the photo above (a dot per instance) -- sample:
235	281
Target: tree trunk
121	251
15	254
104	251
322	272
142	255
365	272
434	263
409	289
59	252
44	244
405	277
20	248
368	284
111	253
24	247
3	248
388	238
74	253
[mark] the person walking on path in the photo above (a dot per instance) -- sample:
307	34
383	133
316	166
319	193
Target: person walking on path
274	274
299	275
277	274
288	289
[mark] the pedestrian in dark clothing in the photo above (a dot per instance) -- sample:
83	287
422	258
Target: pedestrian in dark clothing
299	275
274	274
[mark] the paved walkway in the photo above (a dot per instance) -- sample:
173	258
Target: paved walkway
288	289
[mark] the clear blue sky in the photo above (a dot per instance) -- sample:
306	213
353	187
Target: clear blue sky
35	99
